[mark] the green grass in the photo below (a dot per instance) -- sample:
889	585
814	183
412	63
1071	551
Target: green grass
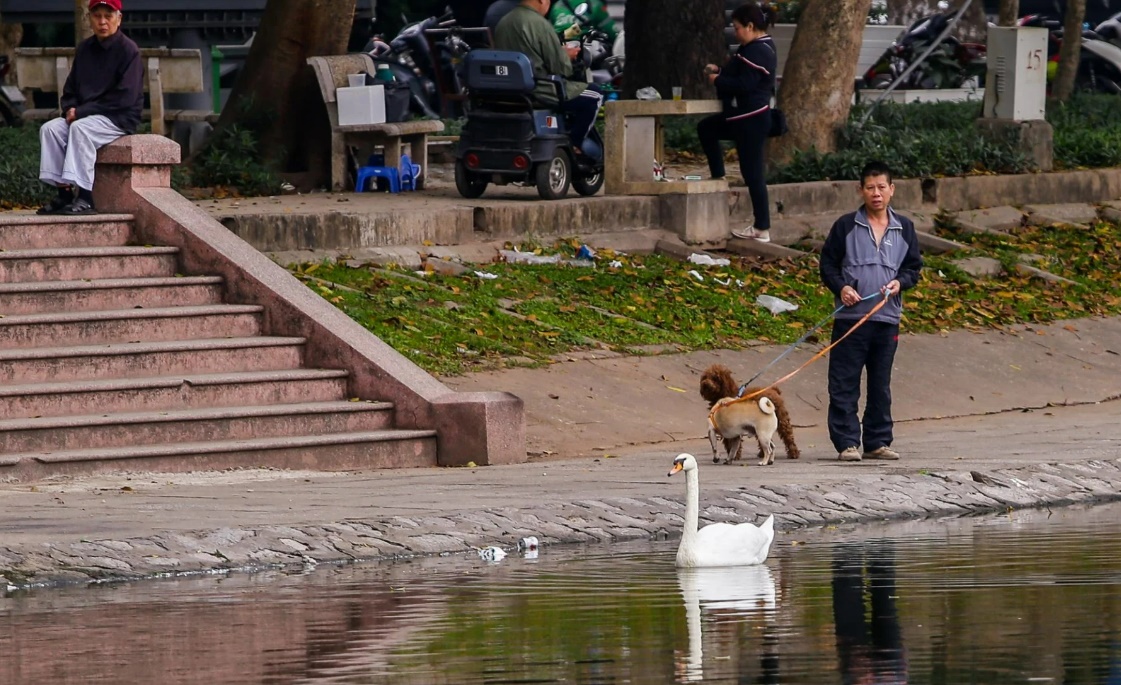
536	314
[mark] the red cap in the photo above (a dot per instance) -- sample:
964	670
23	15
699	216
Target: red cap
112	4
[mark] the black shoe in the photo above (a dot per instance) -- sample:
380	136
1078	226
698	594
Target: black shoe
55	206
78	207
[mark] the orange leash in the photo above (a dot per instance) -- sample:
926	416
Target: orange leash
821	353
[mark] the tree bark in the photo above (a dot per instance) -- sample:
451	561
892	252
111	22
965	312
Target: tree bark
972	27
669	42
819	77
1071	51
82	28
276	95
1009	12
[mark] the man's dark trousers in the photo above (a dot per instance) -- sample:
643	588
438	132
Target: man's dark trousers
871	347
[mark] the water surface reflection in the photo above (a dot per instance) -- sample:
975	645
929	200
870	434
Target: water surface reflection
1027	597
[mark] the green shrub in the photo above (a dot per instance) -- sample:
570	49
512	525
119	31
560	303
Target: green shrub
19	168
231	159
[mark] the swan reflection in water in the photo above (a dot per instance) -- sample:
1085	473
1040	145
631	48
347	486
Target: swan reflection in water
729	594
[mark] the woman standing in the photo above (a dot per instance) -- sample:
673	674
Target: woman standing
745	85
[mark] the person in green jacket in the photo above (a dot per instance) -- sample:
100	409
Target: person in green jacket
563	16
526	30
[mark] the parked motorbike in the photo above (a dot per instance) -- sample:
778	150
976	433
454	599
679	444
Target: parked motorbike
412	61
1099	64
12	102
953	64
602	57
1110	30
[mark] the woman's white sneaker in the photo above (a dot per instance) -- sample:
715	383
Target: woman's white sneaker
752	233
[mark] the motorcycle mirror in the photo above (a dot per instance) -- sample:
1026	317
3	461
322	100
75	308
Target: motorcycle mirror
582	9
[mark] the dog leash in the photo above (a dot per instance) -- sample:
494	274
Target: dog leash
720	404
801	340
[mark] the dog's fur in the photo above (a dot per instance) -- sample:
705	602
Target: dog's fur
733	420
718	383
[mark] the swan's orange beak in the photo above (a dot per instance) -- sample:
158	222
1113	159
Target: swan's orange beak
675	469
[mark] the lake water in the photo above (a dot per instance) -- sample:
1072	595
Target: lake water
1026	597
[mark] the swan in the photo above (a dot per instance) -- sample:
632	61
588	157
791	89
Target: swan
717	544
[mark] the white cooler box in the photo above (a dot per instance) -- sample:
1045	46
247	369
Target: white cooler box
361	105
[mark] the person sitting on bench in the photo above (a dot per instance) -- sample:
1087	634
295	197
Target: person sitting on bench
102	100
526	30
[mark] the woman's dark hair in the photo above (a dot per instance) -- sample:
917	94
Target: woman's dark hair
761	17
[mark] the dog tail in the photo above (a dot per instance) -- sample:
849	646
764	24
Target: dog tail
717	383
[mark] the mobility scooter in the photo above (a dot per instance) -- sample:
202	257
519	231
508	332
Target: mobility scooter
510	137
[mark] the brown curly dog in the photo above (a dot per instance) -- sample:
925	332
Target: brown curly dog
717	383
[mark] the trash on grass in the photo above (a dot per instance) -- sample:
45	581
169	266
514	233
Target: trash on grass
485	276
585	252
775	305
696	275
706	260
518	257
616	264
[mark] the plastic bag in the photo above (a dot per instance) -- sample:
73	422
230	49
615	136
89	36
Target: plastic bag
706	260
647	93
775	305
518	257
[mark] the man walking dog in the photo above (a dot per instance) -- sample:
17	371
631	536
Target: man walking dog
873	250
101	101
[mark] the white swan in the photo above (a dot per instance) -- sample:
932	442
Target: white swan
717	544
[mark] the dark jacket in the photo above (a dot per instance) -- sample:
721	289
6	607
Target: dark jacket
850	257
747	82
107	78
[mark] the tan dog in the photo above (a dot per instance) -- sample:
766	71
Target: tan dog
718	383
733	420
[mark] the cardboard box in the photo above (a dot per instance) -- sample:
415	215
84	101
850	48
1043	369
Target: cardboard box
362	105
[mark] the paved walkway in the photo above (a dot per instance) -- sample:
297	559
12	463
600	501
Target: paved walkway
1032	420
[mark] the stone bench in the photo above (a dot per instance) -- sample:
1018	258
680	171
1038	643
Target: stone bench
331	73
165	71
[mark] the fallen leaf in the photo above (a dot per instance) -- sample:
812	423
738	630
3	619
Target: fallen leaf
676	389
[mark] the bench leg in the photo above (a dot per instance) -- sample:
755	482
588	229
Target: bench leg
338	163
392	152
418	150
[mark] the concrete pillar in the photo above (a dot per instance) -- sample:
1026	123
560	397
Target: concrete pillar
192	135
697	218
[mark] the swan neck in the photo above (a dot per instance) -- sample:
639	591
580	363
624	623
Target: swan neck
692	508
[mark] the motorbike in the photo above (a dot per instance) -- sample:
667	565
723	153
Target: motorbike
12	102
1099	65
1110	30
602	57
953	64
412	62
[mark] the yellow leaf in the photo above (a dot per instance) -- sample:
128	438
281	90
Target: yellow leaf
311	268
676	389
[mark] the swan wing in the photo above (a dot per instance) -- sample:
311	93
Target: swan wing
728	544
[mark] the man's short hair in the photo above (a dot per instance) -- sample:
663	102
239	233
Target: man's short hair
875	168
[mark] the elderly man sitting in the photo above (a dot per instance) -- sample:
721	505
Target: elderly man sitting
101	101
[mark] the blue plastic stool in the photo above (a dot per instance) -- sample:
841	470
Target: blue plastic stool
408	173
371	173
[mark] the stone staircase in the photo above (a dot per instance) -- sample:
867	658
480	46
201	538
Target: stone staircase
112	360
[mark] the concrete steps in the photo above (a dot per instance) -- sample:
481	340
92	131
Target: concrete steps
109	293
111	360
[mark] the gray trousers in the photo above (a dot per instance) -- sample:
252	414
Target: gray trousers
68	152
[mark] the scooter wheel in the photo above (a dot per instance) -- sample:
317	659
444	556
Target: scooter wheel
554	177
469	184
588	184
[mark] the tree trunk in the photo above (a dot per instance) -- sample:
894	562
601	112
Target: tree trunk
669	42
10	37
820	73
82	28
1071	51
972	27
1009	12
276	95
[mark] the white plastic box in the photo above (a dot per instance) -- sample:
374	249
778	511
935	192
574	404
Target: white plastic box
1016	86
361	105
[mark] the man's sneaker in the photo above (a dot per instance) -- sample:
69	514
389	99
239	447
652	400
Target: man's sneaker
884	452
752	233
849	454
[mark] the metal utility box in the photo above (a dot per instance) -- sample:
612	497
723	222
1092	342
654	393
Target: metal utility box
1016	82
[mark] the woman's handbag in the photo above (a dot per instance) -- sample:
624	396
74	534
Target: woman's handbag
778	123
